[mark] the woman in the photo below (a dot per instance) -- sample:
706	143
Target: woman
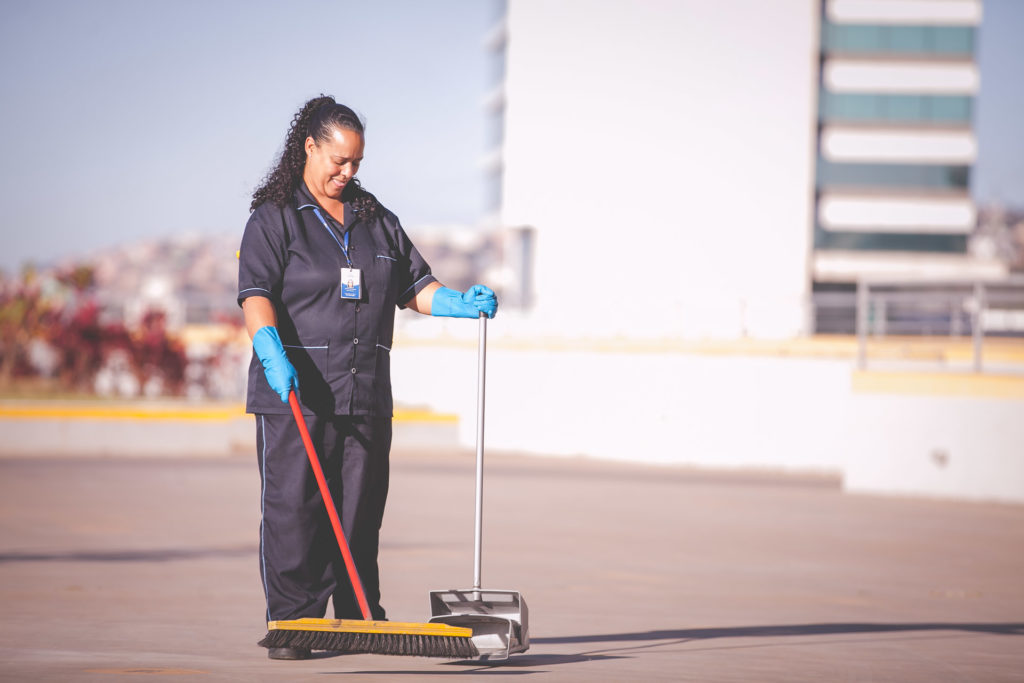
322	267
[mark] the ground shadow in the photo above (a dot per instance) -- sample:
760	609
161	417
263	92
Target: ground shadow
524	664
1011	628
501	668
394	673
154	555
522	660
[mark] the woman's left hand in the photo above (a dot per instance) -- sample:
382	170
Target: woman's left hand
482	298
469	304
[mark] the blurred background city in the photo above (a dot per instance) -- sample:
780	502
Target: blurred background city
782	236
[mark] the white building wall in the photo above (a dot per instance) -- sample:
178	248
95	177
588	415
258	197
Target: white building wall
898	146
905	77
938	12
778	413
663	150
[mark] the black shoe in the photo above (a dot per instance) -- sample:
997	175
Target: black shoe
288	653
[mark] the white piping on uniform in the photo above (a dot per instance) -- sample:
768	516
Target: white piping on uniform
255	289
414	285
381	346
263	512
387	257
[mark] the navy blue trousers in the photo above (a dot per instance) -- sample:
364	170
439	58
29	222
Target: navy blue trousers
300	563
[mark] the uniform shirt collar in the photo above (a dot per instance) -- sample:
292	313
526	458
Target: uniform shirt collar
304	199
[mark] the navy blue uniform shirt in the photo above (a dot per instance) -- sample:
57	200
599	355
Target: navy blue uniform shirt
340	347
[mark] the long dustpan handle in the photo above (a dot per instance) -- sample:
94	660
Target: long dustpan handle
332	511
480	387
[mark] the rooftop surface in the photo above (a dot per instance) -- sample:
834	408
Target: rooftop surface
128	568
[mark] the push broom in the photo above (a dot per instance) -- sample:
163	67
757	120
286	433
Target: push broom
366	635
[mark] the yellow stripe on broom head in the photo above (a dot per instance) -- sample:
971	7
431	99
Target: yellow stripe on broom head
377	637
359	626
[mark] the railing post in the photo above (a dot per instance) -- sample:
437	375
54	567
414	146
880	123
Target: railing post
977	323
810	315
862	324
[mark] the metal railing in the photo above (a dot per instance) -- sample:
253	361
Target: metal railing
978	309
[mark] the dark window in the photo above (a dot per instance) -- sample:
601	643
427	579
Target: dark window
904	176
835	307
869	108
904	40
874	241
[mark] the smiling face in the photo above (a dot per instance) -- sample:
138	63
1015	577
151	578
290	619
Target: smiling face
332	163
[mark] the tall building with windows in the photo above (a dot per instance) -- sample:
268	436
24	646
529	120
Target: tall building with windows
896	93
694	168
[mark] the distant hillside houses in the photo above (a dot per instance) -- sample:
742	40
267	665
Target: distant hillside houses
192	278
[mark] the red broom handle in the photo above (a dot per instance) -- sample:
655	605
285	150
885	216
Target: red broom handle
332	512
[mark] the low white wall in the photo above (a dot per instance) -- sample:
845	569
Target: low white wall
781	414
775	413
967	448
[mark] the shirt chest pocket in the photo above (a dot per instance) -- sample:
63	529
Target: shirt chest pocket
384	272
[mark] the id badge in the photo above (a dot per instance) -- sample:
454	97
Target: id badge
351	283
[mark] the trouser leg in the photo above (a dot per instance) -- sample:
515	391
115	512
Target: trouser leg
300	563
295	548
364	444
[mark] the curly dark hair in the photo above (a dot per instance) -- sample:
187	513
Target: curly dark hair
317	118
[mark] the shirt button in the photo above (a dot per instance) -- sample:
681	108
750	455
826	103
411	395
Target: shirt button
357	309
353	371
356	340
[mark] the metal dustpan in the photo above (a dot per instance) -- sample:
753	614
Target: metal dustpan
499	618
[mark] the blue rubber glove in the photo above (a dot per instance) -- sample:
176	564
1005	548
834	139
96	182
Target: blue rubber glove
452	304
280	372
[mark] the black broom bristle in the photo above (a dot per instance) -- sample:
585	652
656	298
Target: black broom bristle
374	643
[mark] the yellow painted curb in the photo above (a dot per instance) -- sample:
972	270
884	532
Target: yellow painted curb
167	413
67	412
938	384
424	416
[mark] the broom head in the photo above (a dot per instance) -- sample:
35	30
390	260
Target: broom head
373	637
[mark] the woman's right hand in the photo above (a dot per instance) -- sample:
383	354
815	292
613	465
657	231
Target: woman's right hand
278	369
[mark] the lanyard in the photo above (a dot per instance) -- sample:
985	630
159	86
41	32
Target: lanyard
344	247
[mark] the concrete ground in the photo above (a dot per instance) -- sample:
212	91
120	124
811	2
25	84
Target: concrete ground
125	569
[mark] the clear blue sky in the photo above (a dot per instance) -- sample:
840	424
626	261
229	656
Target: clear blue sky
999	116
124	119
